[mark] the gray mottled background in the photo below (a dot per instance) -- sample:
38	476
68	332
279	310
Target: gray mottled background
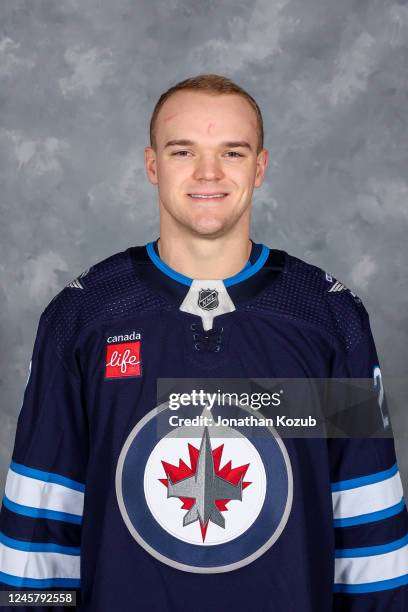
78	82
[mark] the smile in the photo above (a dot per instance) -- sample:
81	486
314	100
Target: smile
207	196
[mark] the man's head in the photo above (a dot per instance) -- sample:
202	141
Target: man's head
206	138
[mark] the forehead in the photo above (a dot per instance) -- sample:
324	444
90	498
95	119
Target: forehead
189	114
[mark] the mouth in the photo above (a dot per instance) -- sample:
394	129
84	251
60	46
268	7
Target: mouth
208	197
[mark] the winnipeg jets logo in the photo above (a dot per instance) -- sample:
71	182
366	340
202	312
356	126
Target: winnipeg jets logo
203	499
204	489
208	299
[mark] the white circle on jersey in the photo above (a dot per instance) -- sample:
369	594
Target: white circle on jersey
238	515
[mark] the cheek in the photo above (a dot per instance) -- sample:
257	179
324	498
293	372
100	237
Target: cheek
174	178
243	176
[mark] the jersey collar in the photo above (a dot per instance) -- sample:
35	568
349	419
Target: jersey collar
264	267
259	255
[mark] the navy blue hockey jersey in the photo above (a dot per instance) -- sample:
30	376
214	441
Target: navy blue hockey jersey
103	498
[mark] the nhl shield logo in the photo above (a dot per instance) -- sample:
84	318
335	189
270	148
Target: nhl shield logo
207	499
208	299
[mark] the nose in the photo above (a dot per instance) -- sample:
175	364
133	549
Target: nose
208	167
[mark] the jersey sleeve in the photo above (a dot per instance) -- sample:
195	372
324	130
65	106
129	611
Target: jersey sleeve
369	511
42	506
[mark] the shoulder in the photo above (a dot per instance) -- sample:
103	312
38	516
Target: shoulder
107	290
329	298
311	295
94	282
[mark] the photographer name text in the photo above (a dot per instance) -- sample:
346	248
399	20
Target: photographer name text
247	421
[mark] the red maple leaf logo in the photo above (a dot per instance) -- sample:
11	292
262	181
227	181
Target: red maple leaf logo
227	472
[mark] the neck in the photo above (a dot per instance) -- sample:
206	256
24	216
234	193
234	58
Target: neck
203	258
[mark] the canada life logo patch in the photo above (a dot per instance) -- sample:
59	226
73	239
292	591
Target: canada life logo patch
204	499
123	356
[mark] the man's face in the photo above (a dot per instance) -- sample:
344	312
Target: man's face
206	146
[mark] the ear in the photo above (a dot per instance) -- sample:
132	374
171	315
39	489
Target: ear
261	166
151	165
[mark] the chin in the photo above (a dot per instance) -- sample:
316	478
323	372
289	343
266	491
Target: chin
209	229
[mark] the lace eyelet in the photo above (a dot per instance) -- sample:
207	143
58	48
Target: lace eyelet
197	347
193	326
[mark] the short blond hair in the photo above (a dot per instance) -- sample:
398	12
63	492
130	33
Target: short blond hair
213	84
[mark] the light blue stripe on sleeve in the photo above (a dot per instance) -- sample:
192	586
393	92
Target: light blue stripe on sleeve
39	583
47	476
41	512
372	587
370	517
38	546
368	551
344	485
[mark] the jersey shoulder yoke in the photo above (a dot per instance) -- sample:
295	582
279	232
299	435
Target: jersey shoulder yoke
305	293
108	290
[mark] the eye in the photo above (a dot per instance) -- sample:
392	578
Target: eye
234	154
180	153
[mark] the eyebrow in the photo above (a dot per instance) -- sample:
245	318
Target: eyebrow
231	144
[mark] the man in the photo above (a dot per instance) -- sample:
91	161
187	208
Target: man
111	493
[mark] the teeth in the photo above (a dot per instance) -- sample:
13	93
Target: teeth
215	195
